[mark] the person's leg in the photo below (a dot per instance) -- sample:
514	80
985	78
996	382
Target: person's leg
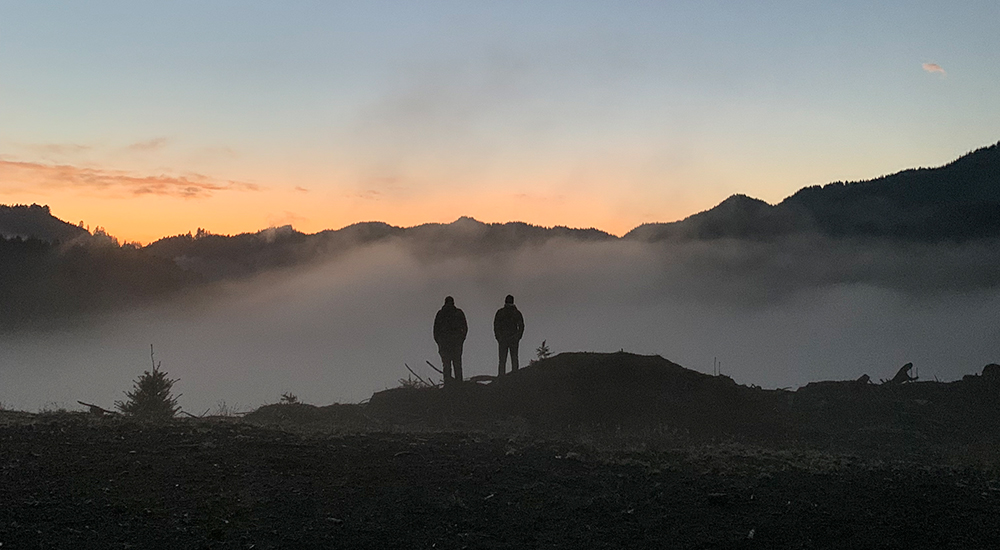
502	346
445	365
457	359
513	356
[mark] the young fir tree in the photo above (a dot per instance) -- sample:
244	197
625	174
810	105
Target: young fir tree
543	351
150	398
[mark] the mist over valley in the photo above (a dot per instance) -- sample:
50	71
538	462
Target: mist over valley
774	314
333	317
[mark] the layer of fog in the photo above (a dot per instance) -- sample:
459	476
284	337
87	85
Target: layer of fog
774	315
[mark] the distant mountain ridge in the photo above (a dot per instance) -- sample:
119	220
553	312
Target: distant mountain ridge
51	271
955	202
221	257
36	222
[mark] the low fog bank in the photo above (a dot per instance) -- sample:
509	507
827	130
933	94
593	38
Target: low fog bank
775	315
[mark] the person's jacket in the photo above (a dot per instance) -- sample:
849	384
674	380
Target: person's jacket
450	327
508	324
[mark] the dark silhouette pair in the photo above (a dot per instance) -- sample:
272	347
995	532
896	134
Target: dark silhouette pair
451	328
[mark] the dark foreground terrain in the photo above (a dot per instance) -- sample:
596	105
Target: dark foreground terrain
604	451
73	481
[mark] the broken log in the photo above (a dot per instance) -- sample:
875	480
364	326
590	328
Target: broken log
97	410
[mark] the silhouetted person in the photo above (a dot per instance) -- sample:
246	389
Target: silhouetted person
450	329
508	327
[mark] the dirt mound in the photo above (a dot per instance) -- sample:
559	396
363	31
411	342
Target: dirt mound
627	389
602	388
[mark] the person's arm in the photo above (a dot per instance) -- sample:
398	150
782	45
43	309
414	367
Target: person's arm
520	325
465	325
496	324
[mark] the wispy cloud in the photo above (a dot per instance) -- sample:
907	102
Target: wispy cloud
61	176
933	68
148	145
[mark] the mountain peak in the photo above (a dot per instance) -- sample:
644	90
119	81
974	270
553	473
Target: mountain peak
954	202
466	221
741	201
36	221
736	205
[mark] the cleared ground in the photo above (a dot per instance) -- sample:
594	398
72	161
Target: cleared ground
72	481
579	451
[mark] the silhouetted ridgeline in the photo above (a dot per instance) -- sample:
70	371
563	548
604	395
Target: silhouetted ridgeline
36	222
956	202
52	270
223	257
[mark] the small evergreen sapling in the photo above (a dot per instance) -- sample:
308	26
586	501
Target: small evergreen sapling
543	351
150	398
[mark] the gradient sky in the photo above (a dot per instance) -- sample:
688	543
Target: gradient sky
155	118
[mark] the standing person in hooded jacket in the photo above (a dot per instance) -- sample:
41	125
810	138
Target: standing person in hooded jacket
508	327
450	329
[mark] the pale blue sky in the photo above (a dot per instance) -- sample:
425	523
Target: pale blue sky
604	114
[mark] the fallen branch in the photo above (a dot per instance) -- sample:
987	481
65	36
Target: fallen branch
100	411
439	371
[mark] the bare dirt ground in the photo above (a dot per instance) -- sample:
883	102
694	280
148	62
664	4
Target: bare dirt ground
74	481
578	451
